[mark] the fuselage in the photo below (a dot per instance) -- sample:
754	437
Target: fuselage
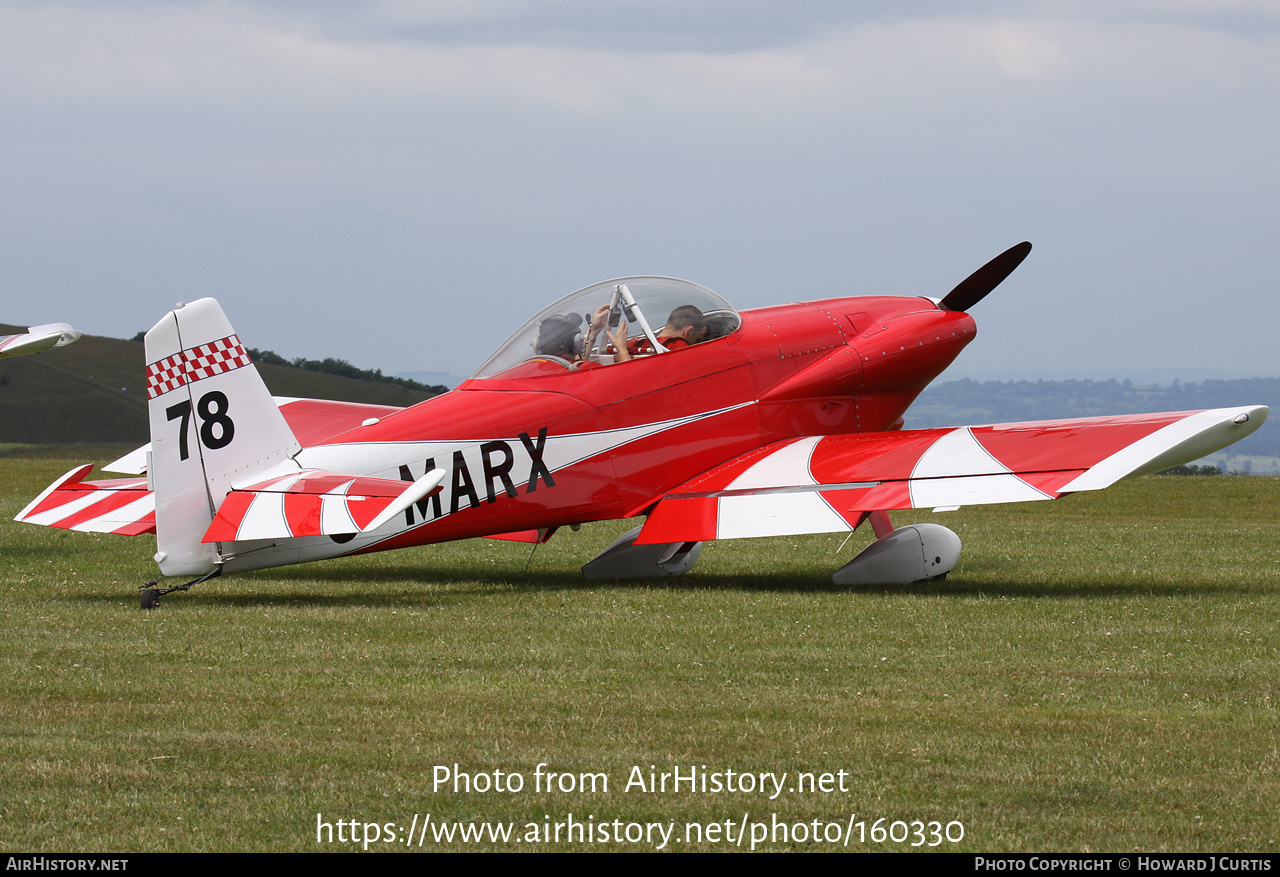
540	445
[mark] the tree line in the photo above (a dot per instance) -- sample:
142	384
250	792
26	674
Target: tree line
343	369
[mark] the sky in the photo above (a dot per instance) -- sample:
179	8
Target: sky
402	184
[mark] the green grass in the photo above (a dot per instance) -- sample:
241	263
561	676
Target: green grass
1099	673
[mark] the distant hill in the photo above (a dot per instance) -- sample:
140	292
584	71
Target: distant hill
446	379
966	402
344	369
94	392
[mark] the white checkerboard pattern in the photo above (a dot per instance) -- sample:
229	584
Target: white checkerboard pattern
195	363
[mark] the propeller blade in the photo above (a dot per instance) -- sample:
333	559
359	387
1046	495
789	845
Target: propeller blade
977	285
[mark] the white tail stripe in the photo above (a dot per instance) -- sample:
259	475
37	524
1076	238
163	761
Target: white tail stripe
126	514
335	517
265	517
67	509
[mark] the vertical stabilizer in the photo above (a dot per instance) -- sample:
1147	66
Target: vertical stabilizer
212	420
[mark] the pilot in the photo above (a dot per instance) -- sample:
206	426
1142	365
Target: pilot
560	336
685	326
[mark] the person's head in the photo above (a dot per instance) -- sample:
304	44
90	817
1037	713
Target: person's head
560	336
686	322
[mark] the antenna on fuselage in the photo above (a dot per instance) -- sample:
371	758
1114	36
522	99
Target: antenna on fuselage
977	285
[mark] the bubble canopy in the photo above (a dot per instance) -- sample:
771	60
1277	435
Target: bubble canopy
655	298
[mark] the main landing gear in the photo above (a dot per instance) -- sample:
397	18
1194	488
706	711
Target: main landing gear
914	553
626	560
151	595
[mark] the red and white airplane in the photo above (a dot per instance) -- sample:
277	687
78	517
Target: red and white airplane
777	421
37	339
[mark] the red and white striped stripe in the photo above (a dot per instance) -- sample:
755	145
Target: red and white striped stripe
194	364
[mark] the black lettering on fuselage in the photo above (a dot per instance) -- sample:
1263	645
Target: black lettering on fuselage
500	471
431	502
537	468
498	461
462	483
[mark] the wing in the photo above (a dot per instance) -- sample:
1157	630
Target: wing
38	338
825	484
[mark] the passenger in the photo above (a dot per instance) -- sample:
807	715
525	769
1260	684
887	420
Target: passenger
685	326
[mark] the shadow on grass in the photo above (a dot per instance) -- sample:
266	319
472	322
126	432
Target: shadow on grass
514	578
401	585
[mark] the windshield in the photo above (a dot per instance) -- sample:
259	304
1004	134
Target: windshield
644	304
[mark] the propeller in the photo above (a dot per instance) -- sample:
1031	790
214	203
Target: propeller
975	287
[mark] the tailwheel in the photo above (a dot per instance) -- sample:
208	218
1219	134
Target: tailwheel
151	595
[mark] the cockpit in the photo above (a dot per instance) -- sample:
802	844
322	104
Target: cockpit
614	321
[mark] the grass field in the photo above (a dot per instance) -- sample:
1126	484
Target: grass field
1099	673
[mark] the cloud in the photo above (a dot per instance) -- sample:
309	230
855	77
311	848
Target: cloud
219	56
144	56
786	146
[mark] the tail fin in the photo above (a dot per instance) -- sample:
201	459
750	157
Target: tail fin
211	419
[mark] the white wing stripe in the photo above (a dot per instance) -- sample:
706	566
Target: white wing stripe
957	453
773	514
788	465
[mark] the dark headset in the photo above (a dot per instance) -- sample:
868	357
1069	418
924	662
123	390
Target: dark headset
560	332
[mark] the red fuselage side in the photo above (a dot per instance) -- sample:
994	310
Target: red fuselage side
837	366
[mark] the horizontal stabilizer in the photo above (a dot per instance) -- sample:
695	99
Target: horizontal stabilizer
825	484
316	503
123	505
